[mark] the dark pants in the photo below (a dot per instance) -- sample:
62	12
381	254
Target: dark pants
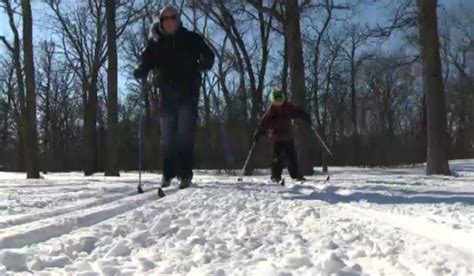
284	151
178	124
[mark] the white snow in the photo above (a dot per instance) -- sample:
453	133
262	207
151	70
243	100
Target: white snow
162	225
15	259
361	222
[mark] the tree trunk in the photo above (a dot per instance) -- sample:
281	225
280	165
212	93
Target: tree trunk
462	144
245	58
47	68
297	83
207	105
284	69
46	128
222	82
424	128
20	164
111	168
264	37
437	157
355	132
22	112
4	135
31	141
90	128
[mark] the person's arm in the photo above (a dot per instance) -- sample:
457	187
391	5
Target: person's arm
299	113
206	55
147	61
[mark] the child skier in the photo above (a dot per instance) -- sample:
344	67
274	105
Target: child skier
276	123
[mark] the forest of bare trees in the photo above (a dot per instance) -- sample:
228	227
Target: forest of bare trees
396	90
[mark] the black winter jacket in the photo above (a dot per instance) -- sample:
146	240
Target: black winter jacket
179	60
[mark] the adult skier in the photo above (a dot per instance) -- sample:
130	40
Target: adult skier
178	56
276	123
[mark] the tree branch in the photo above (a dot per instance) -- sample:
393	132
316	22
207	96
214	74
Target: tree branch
7	44
269	10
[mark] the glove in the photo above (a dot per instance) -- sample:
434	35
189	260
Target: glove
205	63
203	66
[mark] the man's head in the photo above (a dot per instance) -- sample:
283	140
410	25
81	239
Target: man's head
278	97
169	19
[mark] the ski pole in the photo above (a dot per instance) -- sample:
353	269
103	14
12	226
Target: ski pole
139	136
321	141
247	161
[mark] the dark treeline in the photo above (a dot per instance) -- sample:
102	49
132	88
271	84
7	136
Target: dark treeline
371	87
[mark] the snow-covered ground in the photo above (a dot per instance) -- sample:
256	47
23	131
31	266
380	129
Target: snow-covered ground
360	222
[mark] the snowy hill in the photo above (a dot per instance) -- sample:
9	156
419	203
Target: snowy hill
360	222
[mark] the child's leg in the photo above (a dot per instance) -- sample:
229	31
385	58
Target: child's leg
291	159
276	162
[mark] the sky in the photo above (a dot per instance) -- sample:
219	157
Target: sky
369	14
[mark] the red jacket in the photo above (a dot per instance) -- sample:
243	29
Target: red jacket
276	122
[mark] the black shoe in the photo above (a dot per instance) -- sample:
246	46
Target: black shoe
161	193
276	179
165	182
184	183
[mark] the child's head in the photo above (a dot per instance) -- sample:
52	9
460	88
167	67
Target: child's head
278	97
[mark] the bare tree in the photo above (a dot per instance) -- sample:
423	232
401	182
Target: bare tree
352	90
111	168
288	14
357	37
45	74
225	14
16	53
9	115
84	43
333	59
297	80
458	48
437	159
320	17
31	141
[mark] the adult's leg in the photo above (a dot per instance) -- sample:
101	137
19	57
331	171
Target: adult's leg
291	159
187	121
168	138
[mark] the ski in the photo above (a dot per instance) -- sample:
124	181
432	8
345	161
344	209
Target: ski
280	182
160	191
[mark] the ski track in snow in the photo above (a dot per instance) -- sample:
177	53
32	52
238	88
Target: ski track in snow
361	222
44	229
8	221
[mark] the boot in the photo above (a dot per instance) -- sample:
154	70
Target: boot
184	183
300	178
275	179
